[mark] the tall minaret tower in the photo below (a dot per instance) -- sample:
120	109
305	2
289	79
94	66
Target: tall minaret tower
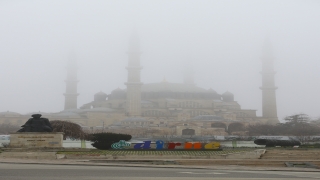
133	104
269	105
71	94
188	76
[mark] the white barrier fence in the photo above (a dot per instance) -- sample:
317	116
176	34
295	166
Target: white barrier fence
66	143
250	144
87	144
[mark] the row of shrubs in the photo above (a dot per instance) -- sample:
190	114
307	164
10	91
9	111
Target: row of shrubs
104	141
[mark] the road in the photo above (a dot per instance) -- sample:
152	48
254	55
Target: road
81	172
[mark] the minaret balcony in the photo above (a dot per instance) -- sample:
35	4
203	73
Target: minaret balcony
71	94
134	67
268	88
268	72
134	83
71	80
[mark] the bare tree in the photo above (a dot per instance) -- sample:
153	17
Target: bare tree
263	129
8	128
235	127
297	125
70	130
173	131
297	119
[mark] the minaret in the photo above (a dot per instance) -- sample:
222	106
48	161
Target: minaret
133	104
188	76
71	94
269	105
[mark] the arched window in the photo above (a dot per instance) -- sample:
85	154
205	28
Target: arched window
153	113
241	114
189	104
197	113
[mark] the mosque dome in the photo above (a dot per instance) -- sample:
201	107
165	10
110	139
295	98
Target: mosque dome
118	94
165	86
212	94
9	114
228	96
212	91
118	90
100	96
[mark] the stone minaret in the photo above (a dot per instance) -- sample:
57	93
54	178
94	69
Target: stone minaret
188	76
71	94
133	104
269	105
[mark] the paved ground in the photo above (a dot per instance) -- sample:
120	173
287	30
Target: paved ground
72	172
84	162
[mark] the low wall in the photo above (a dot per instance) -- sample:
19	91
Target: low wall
77	144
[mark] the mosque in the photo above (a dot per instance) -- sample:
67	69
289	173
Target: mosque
161	108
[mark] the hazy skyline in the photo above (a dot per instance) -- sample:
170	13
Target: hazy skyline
221	40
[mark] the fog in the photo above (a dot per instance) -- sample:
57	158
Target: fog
221	40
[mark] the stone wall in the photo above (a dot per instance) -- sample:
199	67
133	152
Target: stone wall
36	139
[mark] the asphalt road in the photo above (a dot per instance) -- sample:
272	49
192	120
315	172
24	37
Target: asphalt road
68	172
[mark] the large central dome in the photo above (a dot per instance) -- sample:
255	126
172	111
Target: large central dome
170	87
165	89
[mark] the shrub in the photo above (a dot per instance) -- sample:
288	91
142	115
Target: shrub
103	141
5	145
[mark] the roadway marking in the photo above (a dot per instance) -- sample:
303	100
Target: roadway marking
201	173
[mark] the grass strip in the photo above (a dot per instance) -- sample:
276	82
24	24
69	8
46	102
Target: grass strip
143	153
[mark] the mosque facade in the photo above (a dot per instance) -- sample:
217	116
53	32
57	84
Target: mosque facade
161	108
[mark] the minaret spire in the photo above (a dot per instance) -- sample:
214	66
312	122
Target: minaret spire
71	83
188	76
188	71
269	105
133	104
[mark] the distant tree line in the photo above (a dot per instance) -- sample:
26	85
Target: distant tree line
295	125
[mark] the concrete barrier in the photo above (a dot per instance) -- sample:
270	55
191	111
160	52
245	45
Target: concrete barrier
77	144
250	144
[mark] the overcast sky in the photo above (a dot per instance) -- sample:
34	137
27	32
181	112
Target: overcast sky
222	40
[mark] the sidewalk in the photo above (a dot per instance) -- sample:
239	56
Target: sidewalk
91	163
